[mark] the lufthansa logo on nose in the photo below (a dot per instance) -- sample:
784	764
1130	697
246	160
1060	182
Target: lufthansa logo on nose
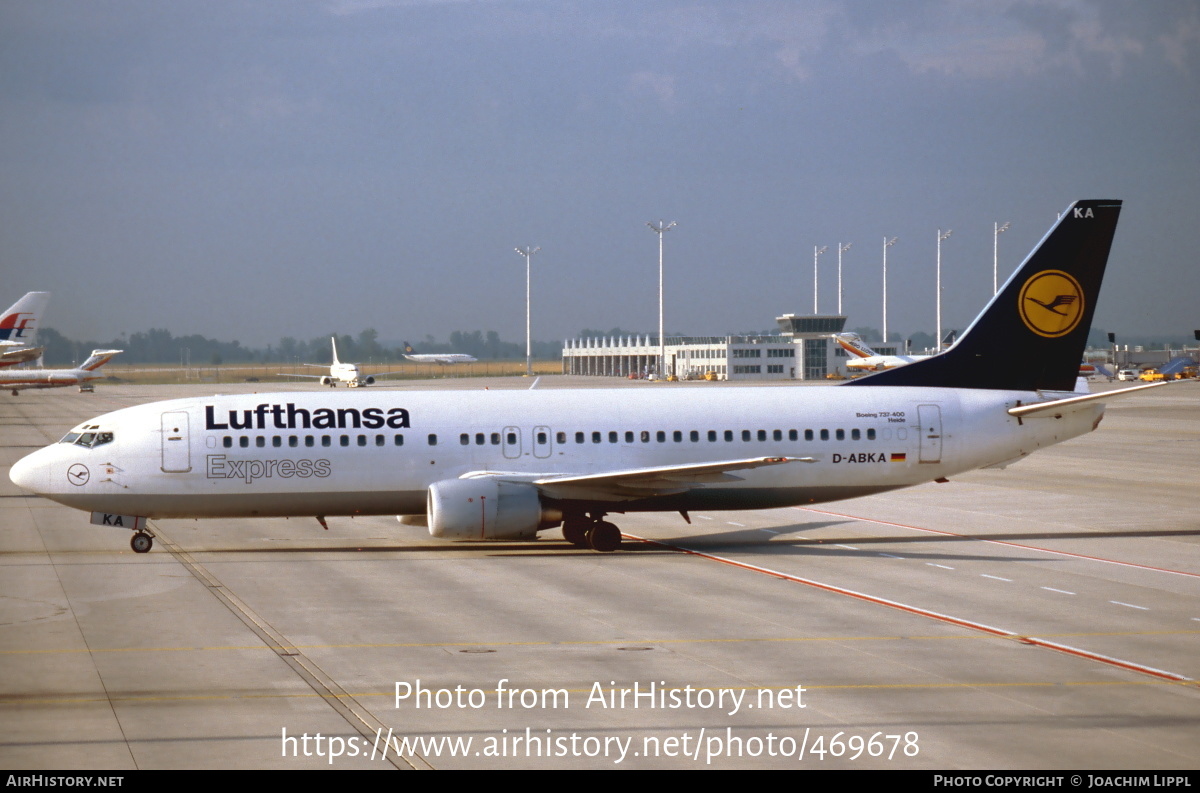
78	474
1051	303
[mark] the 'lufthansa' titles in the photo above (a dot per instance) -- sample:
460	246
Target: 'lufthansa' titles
290	417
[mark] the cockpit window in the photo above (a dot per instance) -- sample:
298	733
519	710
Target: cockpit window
88	439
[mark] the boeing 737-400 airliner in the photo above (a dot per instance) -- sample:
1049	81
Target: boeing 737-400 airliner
488	465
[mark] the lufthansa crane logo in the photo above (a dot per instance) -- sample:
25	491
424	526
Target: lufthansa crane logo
78	474
1051	303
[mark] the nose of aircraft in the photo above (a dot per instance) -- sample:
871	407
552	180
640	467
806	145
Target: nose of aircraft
30	472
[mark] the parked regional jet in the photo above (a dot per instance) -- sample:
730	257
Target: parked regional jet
502	465
863	358
440	357
18	329
20	379
348	373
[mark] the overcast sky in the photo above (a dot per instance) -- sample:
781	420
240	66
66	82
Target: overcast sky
254	170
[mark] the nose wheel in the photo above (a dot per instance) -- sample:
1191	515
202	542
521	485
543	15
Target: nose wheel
141	542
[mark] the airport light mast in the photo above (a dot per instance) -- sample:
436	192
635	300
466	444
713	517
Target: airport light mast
527	252
816	253
940	237
661	229
886	244
997	231
841	249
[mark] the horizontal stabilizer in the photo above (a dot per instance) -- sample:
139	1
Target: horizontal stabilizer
1060	407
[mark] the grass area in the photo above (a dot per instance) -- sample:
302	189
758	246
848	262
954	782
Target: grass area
164	374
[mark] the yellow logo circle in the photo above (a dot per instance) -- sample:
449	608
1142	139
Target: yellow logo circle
1051	303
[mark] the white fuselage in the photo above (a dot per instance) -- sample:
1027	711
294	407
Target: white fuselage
877	363
378	452
451	357
20	379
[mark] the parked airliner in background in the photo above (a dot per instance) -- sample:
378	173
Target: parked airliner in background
863	358
348	373
19	379
438	357
18	329
502	465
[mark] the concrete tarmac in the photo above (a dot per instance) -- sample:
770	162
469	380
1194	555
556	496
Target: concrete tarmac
1042	616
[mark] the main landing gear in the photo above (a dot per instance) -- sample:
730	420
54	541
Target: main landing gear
141	542
592	532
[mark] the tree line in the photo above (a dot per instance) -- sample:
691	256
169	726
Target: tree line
160	346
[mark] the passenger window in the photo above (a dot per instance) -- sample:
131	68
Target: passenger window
326	441
793	435
243	441
433	439
629	436
645	436
398	440
227	442
762	435
712	436
495	439
824	435
728	436
595	437
855	435
612	436
694	435
579	437
260	441
276	441
344	440
808	435
380	440
308	440
362	440
560	437
871	434
511	439
542	438
464	439
677	436
293	441
745	435
661	436
841	435
480	439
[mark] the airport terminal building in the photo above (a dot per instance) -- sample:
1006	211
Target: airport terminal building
803	350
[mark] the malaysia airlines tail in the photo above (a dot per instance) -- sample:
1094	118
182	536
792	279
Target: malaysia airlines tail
18	325
1031	336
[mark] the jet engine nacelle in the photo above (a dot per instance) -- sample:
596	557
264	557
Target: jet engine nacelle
369	380
486	509
326	380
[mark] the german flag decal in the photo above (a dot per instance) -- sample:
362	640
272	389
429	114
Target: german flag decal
898	457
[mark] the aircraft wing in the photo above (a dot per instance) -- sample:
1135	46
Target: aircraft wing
640	482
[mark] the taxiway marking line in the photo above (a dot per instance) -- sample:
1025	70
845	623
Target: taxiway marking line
930	614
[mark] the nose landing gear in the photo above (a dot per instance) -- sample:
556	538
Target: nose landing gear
142	542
